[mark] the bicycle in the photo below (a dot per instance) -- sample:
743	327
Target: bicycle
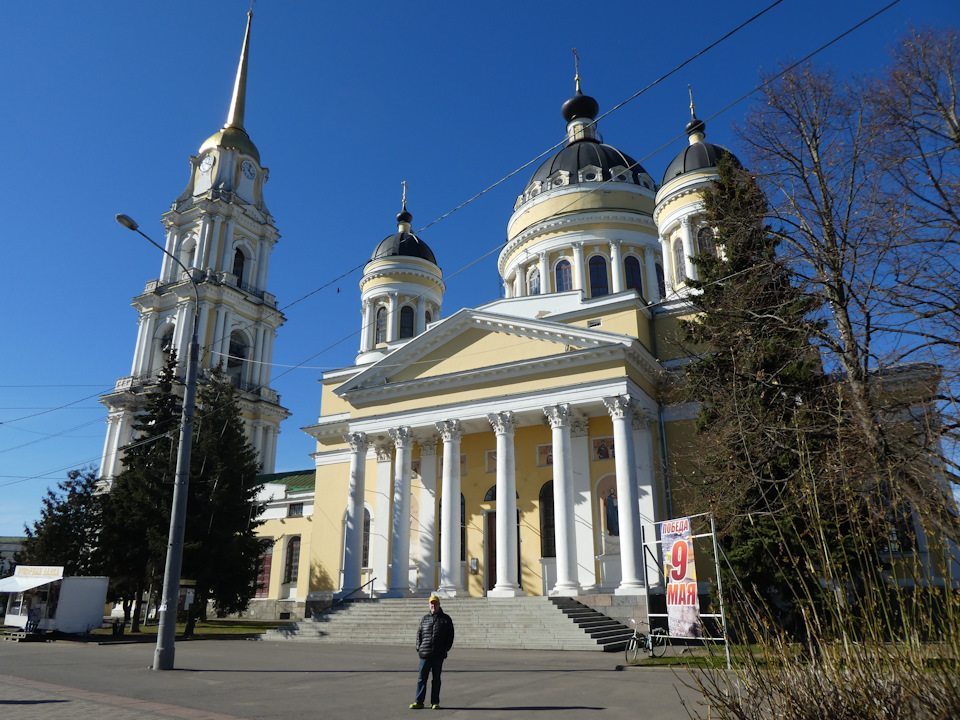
655	642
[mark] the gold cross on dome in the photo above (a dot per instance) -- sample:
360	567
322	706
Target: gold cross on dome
576	68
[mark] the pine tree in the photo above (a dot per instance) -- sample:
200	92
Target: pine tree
70	522
221	548
137	509
760	386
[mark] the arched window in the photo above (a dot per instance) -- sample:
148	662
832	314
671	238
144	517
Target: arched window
706	245
632	274
427	318
237	357
661	280
380	335
406	321
238	262
599	285
262	587
564	276
187	254
533	284
679	269
291	565
166	345
491	495
548	533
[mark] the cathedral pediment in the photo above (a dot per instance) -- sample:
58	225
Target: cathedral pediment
477	347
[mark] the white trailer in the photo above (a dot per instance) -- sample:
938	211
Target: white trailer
42	599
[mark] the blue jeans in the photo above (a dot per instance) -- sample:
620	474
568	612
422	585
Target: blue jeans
428	665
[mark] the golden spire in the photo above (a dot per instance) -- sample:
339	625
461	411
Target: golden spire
690	90
235	116
576	68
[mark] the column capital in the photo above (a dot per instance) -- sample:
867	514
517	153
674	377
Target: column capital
619	406
642	419
615	243
428	445
578	426
384	452
402	436
357	441
450	430
685	221
558	415
577	246
503	423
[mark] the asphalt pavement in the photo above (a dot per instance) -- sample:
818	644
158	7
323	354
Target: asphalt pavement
249	680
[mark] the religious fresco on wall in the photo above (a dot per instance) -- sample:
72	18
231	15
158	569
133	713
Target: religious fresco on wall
602	449
545	455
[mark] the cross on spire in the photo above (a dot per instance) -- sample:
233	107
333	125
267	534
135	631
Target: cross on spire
576	68
690	90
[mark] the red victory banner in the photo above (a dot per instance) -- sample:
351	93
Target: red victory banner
683	609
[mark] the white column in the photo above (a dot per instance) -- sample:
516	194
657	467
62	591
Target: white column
166	272
582	503
108	462
508	287
353	540
141	355
269	334
203	244
646	491
263	268
507	570
616	266
222	249
518	282
421	316
544	269
225	330
369	320
269	455
652	288
451	576
216	343
400	530
631	582
392	317
578	283
428	513
563	510
380	530
666	252
686	234
256	362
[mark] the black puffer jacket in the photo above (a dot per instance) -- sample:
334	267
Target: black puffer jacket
435	635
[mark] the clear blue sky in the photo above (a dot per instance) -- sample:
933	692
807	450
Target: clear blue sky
103	103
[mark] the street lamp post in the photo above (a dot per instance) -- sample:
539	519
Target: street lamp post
163	655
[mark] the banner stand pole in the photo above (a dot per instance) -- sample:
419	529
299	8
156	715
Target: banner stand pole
723	614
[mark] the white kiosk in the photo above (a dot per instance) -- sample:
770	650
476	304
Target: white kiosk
42	599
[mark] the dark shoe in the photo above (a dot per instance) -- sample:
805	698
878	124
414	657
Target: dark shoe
416	706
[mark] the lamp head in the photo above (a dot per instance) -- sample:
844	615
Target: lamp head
127	221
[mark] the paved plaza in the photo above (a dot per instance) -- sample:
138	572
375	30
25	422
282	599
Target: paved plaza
247	680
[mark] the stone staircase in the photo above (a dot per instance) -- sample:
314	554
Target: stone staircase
524	623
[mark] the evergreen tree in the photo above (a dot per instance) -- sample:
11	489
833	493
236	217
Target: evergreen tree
137	509
221	548
69	524
757	377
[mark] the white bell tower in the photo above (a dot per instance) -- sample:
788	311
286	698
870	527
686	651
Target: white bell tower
221	230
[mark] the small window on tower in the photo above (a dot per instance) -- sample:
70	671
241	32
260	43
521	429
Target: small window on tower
380	336
406	322
238	262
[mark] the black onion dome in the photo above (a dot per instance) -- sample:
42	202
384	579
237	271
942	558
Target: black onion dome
696	156
580	106
583	154
403	244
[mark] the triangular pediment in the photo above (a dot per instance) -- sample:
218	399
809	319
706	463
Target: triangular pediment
473	342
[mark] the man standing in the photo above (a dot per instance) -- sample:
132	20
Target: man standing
434	639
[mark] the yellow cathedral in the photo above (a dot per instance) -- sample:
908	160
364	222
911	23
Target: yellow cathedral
520	447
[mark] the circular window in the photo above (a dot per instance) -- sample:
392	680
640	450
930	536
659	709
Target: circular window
590	176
